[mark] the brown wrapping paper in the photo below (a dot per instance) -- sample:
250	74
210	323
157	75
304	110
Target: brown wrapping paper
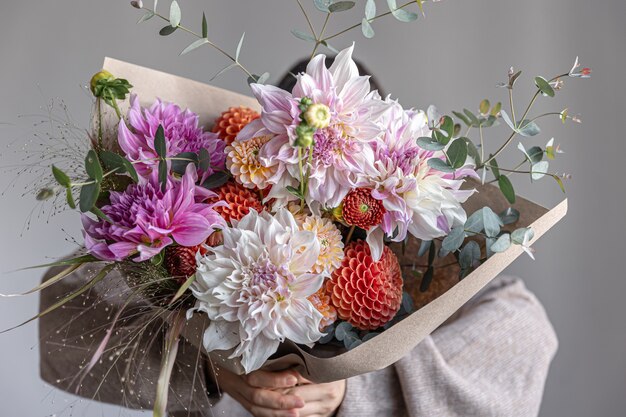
324	363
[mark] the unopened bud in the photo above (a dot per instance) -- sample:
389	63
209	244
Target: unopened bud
305	136
137	4
102	75
45	194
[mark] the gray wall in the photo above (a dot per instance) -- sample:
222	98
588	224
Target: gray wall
452	59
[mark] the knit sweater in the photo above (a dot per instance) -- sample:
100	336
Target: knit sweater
490	359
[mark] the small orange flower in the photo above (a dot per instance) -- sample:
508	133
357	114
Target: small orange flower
321	301
243	162
239	199
361	209
230	123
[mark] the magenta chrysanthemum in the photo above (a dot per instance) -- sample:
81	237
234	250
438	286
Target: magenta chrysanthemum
182	134
145	219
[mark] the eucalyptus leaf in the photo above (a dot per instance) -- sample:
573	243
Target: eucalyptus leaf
167	30
462	117
507	188
69	197
430	144
424	246
113	161
539	170
263	78
62	178
559	181
494	168
454	240
509	216
474	223
457	153
528	128
535	154
370	9
342	330
179	162
472	118
501	244
340	6
491	222
367	29
488	243
404	15
472	151
302	35
175	14
427	279
484	106
223	70
204	160
522	235
439	165
507	120
544	86
322	5
239	45
194	45
470	254
145	17
163	175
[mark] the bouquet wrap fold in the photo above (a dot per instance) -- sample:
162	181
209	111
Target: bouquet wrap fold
326	363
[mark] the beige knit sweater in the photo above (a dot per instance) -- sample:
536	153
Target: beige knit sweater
490	359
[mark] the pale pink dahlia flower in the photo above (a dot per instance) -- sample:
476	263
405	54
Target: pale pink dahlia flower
182	134
145	219
254	287
418	199
340	149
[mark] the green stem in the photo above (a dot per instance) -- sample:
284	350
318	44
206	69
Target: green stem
512	107
306	16
318	40
116	108
99	109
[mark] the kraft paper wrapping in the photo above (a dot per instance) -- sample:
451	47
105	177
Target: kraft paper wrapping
325	363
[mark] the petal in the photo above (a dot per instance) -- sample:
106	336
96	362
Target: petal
191	229
221	335
344	68
374	239
257	352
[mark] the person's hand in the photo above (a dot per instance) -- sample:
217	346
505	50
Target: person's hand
321	400
262	393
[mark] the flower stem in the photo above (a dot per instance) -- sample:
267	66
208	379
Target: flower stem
350	233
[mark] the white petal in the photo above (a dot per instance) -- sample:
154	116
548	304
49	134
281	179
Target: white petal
256	352
221	335
344	68
374	239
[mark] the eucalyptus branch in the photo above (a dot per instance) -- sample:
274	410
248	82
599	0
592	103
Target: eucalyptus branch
216	47
370	20
308	20
317	40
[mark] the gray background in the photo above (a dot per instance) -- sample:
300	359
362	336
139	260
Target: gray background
452	59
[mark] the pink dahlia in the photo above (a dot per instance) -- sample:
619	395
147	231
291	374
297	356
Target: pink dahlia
340	148
145	220
182	134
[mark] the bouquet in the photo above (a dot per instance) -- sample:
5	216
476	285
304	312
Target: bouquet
315	228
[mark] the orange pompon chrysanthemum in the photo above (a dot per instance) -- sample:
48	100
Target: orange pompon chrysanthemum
331	246
361	209
230	122
366	294
322	302
243	162
239	201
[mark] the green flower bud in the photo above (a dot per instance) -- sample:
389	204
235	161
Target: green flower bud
305	136
318	116
45	194
102	75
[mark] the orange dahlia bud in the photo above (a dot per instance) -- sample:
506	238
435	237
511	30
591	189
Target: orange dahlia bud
230	123
180	262
366	294
321	301
361	209
239	199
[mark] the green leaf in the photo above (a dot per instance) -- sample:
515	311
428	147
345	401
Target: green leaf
427	279
496	109
502	243
470	254
262	79
159	142
508	121
535	154
340	6
194	45
88	196
454	240
113	161
175	14
163	174
204	160
93	167
145	17
70	198
544	86
457	153
322	5
494	168
239	45
367	29
216	180
474	223
404	15
439	165
183	288
370	9
62	178
205	26
528	128
491	222
430	144
424	247
462	117
100	214
302	35
522	234
560	182
223	70
179	162
507	188
472	151
484	106
509	216
472	118
539	170
167	30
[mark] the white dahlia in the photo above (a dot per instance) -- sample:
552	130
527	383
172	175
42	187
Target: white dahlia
254	288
